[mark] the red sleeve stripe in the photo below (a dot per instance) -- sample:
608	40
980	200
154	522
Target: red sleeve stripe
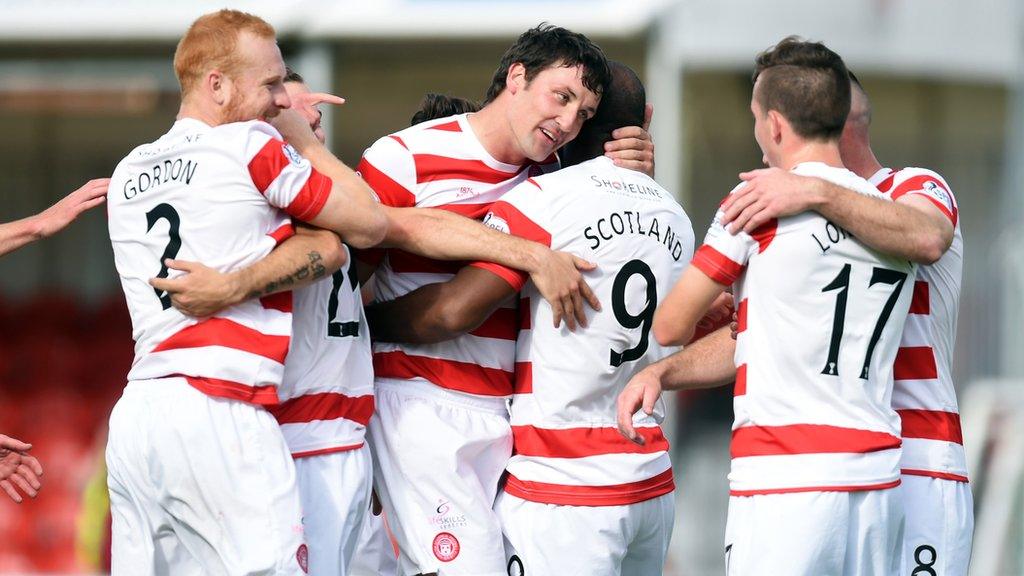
920	303
583	442
807	439
840	488
524	378
430	168
229	334
283	233
390	192
267	164
534	182
399	140
324	406
933	474
525	314
519	224
321	452
262	395
514	278
916	185
932	425
741	316
448	374
452	126
915	363
403	262
740	388
501	324
282	302
716	265
574	495
942	207
311	197
764	234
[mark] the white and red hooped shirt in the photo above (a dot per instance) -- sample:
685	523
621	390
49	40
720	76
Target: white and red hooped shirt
566	446
820	317
209	194
923	393
441	164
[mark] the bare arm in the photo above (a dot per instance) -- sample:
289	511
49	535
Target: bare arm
351	209
443	235
299	261
441	311
706	363
676	319
14	235
911	228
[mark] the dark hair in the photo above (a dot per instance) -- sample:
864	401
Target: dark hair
622	105
292	76
808	84
545	46
440	106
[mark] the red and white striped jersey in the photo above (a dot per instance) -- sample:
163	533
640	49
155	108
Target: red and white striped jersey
442	164
327	391
923	393
820	317
566	446
208	194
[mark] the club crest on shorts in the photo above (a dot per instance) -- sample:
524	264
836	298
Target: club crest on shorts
446	546
302	557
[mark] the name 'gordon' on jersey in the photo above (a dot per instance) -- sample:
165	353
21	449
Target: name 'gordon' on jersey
170	170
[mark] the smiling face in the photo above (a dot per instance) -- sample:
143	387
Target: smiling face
256	88
548	111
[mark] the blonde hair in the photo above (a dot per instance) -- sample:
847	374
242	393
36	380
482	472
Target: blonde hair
210	43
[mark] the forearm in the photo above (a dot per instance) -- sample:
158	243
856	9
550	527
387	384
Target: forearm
299	261
706	363
442	235
890	227
14	235
352	210
414	317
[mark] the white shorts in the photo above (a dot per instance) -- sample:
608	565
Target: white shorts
586	540
335	491
375	554
826	533
200	485
940	526
438	458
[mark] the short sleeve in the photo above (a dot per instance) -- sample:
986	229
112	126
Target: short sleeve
285	177
389	169
930	185
510	215
723	256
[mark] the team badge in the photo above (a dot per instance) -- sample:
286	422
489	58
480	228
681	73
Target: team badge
292	154
446	547
302	557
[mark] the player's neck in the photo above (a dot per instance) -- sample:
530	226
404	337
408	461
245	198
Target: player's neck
492	130
862	162
196	111
812	151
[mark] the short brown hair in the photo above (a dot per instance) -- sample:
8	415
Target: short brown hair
210	43
808	84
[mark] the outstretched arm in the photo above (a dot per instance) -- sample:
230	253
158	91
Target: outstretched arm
14	235
440	311
706	363
309	255
911	227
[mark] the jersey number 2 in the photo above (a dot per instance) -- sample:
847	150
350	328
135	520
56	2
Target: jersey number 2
841	284
643	319
165	212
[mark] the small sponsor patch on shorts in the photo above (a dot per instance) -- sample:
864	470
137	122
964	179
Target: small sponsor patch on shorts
446	546
302	557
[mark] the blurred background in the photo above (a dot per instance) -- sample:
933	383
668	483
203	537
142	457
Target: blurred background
82	82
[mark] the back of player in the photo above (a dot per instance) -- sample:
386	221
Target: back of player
815	440
604	502
937	496
193	457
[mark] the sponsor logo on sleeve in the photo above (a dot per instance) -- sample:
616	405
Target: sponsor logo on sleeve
940	194
496	222
292	154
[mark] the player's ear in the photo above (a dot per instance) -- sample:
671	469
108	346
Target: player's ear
776	125
218	85
515	80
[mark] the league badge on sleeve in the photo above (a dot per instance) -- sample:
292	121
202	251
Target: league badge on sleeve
292	154
939	193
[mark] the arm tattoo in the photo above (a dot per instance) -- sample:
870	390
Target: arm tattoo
313	268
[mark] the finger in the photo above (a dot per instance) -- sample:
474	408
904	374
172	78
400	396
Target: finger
168	285
33	464
637	165
736	202
589	296
556	313
736	210
29	476
625	414
650	399
567	306
752	174
24	486
324	98
577	308
628	137
181	265
582	264
648	115
94	201
9	488
755	222
14	444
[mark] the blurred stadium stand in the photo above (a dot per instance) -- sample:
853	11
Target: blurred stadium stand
83	81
